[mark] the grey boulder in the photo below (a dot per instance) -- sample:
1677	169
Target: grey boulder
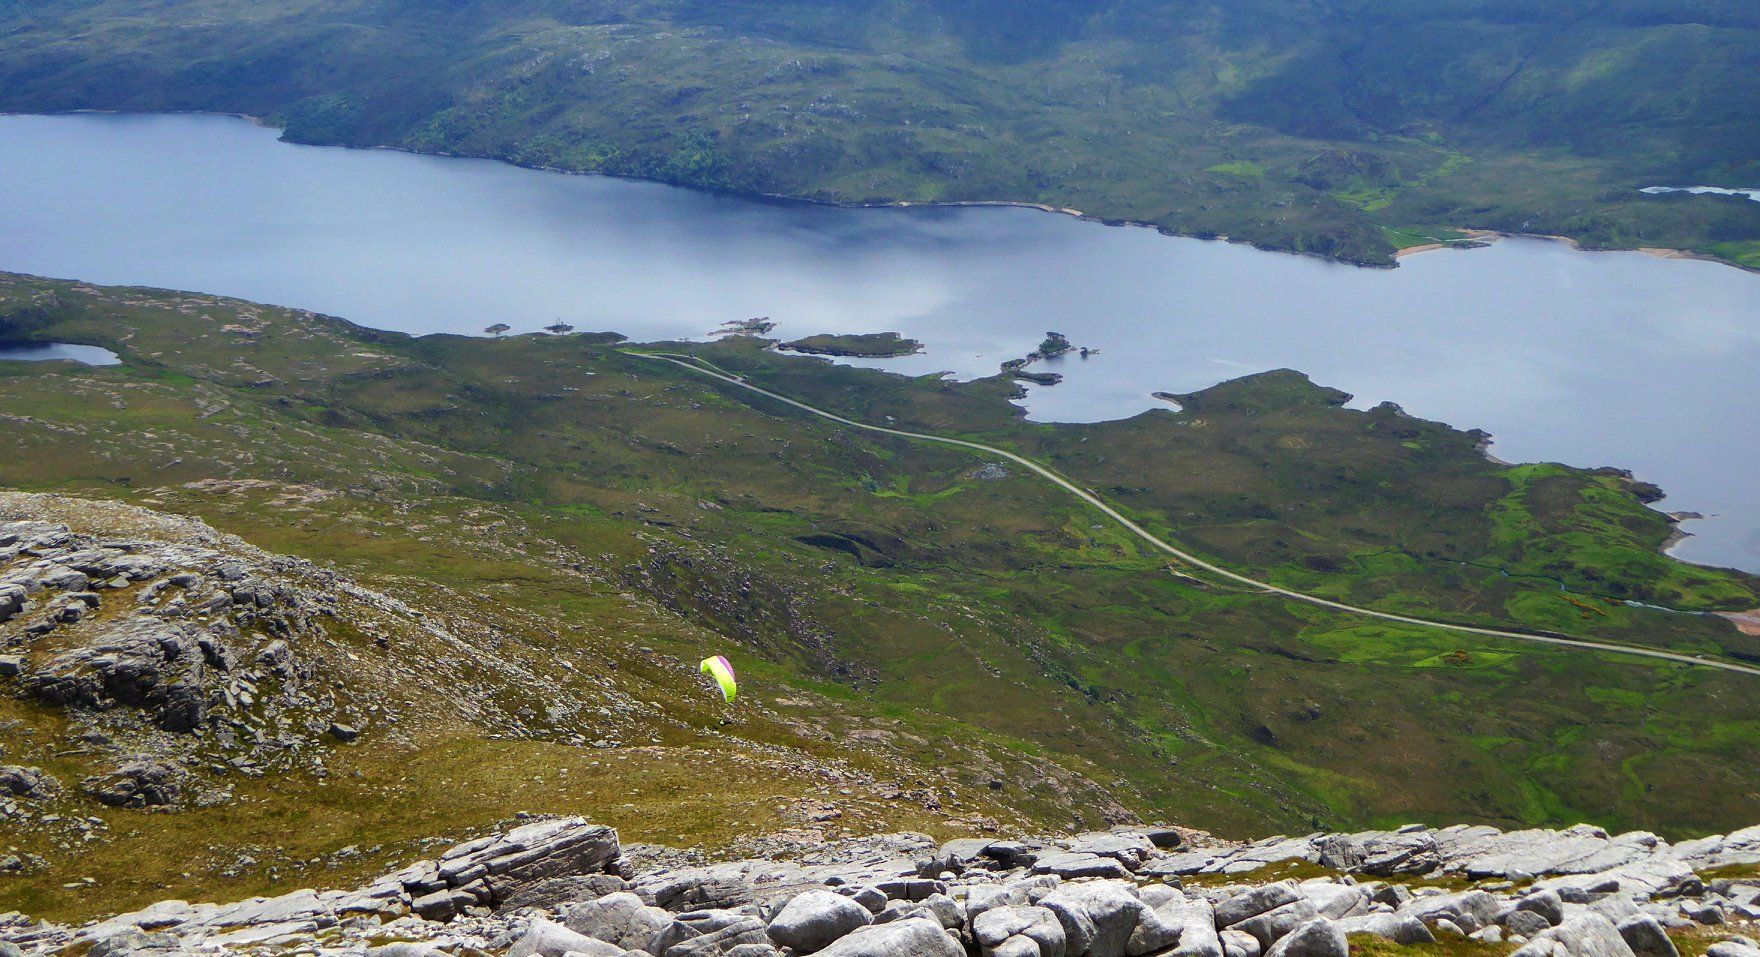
136	943
1586	935
1319	937
1467	911
1237	943
1071	865
1155	932
911	937
1336	901
619	918
689	926
1131	850
544	938
870	897
811	921
1254	902
1197	936
1646	937
556	891
983	897
744	932
996	928
33	783
1097	918
137	784
1545	903
1523	922
1275	924
946	910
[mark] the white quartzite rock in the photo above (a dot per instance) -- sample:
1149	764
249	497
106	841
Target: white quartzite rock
912	937
1646	937
1317	938
995	928
1336	901
1586	935
1254	902
549	939
812	920
1238	944
1273	925
620	919
1097	918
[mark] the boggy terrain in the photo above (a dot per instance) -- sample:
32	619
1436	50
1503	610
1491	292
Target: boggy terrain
1343	128
474	575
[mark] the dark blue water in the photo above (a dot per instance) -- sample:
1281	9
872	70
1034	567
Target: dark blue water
90	355
1586	358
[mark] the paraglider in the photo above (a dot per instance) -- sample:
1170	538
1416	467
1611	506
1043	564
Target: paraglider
718	668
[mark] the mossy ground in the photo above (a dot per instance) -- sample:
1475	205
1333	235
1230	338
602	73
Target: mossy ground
1446	945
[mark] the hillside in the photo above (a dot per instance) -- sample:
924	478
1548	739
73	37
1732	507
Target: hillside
520	545
185	713
1345	128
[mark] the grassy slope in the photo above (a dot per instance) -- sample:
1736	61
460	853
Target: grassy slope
564	494
1346	128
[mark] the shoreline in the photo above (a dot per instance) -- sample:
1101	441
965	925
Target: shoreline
1472	234
1477	238
1678	533
1472	238
1483	439
1677	519
1420	248
756	195
1746	622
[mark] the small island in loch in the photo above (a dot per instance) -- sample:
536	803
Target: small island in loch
866	345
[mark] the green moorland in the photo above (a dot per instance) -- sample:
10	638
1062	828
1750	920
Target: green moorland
972	634
1344	128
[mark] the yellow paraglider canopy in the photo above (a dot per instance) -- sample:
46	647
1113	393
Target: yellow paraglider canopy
723	674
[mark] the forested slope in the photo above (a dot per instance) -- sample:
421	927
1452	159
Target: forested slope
1342	127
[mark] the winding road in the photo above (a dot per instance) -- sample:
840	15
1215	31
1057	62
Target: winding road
1188	558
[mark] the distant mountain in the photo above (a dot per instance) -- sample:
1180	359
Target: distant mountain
1347	128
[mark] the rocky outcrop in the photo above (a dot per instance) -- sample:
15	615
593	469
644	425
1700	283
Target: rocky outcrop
618	918
163	668
30	783
489	871
812	920
901	894
1581	858
176	657
178	632
138	784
